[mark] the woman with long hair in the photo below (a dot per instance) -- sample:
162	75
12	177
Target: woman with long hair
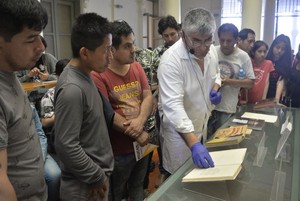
280	54
262	69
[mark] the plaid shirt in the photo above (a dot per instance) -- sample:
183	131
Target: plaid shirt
47	103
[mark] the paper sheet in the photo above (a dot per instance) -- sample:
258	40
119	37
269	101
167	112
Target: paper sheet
266	117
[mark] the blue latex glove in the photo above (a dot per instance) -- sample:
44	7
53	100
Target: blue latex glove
215	97
201	156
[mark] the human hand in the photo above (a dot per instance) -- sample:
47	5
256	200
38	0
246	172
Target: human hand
43	74
98	192
33	72
215	97
134	127
201	157
130	130
143	139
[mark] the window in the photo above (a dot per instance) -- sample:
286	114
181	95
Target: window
287	20
232	12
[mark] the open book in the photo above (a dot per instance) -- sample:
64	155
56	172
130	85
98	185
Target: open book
228	164
227	136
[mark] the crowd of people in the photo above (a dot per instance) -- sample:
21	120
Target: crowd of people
78	144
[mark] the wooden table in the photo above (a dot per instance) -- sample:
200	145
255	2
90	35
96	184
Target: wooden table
32	86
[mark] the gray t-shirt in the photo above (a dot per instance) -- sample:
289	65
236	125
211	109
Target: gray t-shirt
17	134
81	135
229	68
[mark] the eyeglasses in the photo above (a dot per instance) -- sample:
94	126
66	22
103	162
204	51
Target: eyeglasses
197	43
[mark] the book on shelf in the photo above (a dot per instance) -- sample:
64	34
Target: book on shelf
141	152
227	136
228	164
254	124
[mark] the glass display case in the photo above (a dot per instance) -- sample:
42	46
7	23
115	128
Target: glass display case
270	169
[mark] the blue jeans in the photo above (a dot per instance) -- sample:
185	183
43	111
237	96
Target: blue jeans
128	175
52	177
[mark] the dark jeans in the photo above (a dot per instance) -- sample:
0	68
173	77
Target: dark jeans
216	120
128	176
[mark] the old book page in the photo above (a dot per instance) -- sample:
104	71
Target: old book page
266	117
228	164
227	136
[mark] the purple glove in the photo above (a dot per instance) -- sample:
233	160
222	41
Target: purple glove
201	156
215	97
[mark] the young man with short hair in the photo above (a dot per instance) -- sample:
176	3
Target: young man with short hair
21	161
169	29
125	85
232	62
246	39
81	134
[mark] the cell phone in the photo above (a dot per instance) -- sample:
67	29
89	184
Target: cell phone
42	68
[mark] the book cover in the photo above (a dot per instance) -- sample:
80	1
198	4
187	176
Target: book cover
265	103
228	164
141	152
227	136
254	124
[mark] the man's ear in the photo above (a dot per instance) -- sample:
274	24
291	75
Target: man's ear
84	53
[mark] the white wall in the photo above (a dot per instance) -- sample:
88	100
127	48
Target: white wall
102	7
129	10
132	12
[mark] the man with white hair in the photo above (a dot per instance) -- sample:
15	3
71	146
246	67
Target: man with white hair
189	79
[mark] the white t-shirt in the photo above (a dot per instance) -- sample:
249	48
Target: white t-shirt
229	68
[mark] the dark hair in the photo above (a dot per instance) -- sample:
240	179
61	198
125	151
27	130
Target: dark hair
60	65
243	34
167	22
89	31
257	44
120	28
228	28
15	15
284	63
